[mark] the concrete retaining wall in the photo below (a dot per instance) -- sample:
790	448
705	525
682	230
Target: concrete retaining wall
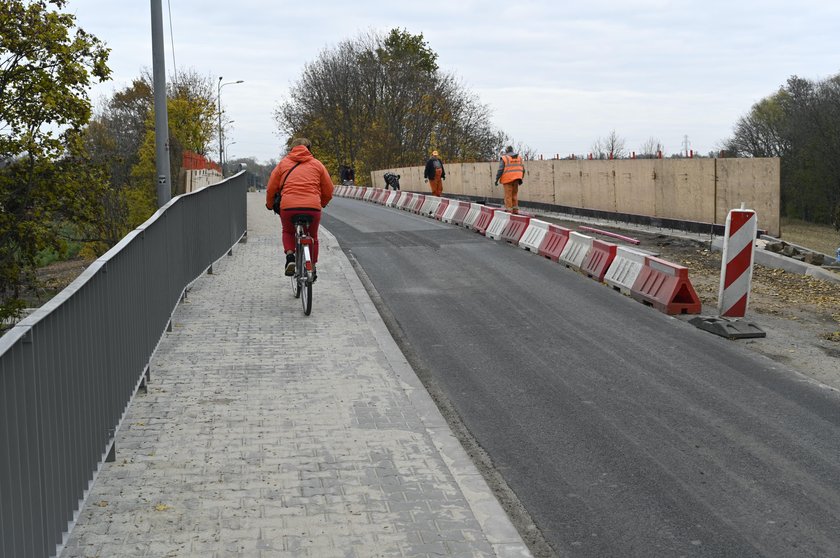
701	190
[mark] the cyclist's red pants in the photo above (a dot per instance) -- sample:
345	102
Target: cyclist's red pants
286	216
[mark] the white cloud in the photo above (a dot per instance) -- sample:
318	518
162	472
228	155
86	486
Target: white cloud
557	74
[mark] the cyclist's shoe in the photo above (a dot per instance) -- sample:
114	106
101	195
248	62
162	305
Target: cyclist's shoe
314	274
290	265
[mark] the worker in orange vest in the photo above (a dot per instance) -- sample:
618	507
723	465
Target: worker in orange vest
510	174
435	174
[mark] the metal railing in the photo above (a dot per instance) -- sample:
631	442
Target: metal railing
69	371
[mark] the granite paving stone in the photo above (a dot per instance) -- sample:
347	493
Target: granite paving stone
268	433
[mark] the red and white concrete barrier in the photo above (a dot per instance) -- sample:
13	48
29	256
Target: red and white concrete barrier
737	263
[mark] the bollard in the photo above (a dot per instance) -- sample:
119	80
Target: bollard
737	262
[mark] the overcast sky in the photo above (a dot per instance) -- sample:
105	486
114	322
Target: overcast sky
556	74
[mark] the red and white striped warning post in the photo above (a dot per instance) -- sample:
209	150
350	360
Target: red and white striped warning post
737	263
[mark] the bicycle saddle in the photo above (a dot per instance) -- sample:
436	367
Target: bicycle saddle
302	219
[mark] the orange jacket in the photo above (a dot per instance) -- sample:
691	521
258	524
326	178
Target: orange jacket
308	186
513	169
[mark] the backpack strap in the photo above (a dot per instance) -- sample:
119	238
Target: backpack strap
276	204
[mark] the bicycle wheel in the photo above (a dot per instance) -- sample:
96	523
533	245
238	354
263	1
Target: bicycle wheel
299	275
306	295
296	285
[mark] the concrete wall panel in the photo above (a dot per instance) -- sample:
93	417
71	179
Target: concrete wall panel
701	190
568	183
685	189
598	178
756	183
635	187
538	183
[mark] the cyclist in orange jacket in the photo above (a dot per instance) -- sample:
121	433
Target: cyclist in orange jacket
510	174
306	187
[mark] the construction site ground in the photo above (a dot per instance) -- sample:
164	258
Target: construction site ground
799	314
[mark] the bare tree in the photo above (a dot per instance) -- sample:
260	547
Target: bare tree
610	147
381	101
651	148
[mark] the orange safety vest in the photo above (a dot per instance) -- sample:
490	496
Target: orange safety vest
514	169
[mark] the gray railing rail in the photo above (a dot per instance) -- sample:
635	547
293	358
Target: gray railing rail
69	370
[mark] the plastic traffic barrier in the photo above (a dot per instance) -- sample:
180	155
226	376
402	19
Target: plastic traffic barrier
533	236
599	259
368	194
359	192
472	215
430	206
446	216
442	206
389	197
394	198
377	193
576	250
417	203
484	219
515	228
666	287
554	242
497	225
405	200
625	269
460	213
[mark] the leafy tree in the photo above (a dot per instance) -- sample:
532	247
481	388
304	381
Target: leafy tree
801	124
46	66
381	101
121	141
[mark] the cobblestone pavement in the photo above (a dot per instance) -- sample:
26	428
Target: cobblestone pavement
267	433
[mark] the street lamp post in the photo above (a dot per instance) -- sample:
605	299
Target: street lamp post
227	150
221	138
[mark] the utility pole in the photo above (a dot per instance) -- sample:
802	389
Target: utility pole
164	180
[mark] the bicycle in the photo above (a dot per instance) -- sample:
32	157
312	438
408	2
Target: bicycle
304	268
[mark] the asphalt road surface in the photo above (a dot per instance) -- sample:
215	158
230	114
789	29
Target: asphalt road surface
623	432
